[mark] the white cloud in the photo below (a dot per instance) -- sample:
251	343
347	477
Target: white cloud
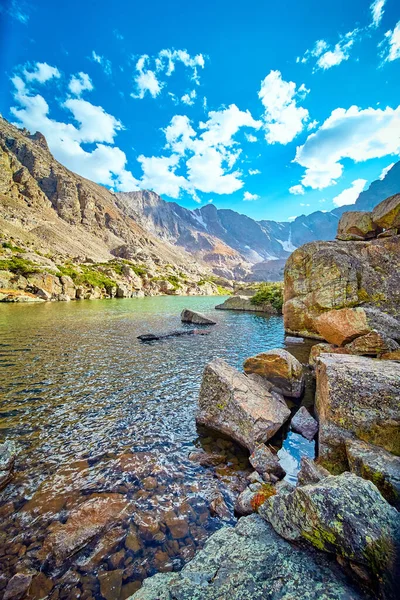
167	60
283	119
350	195
146	80
16	9
392	42
248	197
189	98
41	72
377	12
312	125
355	134
79	83
250	138
159	175
297	190
303	204
254	172
104	163
329	56
385	171
103	62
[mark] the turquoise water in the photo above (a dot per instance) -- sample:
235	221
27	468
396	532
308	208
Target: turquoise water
79	391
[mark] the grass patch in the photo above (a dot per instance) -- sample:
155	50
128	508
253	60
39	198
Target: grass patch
269	292
89	276
19	266
13	248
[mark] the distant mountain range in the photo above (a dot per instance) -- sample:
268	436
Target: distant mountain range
236	246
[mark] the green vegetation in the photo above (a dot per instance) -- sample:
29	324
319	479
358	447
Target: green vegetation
19	266
11	247
88	275
269	292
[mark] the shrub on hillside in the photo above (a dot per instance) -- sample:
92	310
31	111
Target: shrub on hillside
269	292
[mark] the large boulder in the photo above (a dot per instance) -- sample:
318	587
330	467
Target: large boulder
45	285
357	223
346	516
238	407
387	213
378	465
251	562
342	326
324	348
190	316
322	276
356	397
372	344
310	472
244	303
280	368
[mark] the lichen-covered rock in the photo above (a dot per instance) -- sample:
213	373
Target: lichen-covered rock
358	223
356	397
233	404
344	515
324	348
279	367
340	327
391	355
387	213
251	562
265	462
378	465
244	303
190	316
321	276
304	423
372	344
310	472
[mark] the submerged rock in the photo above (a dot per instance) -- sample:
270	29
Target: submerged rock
17	586
190	316
244	303
378	465
236	406
304	423
343	515
280	368
265	462
356	397
151	337
7	460
251	562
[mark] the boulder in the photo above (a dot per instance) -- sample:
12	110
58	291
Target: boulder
378	465
324	348
357	223
279	367
346	516
251	562
266	462
304	423
372	344
391	355
190	316
310	472
68	286
389	232
387	213
124	290
238	407
17	586
244	303
49	286
244	502
322	276
340	327
356	397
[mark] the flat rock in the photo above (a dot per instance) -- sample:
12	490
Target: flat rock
110	584
190	316
236	406
342	326
264	461
244	303
344	515
356	397
378	465
280	368
387	213
304	423
207	459
324	348
251	562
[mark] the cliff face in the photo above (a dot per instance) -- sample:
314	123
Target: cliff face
322	276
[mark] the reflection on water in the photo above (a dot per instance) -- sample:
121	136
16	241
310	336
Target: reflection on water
101	419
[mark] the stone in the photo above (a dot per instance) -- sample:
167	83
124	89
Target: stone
387	213
110	584
106	545
310	472
244	303
280	368
40	587
132	541
178	526
265	461
389	232
357	223
207	459
17	586
84	523
229	402
218	506
391	355
124	290
251	562
342	326
372	344
304	423
343	515
379	466
7	461
324	276
356	397
68	286
48	286
190	316
324	348
243	504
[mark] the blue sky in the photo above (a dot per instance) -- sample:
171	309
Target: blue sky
271	109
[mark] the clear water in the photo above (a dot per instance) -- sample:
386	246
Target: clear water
80	393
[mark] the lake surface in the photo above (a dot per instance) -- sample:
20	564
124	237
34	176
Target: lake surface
96	413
